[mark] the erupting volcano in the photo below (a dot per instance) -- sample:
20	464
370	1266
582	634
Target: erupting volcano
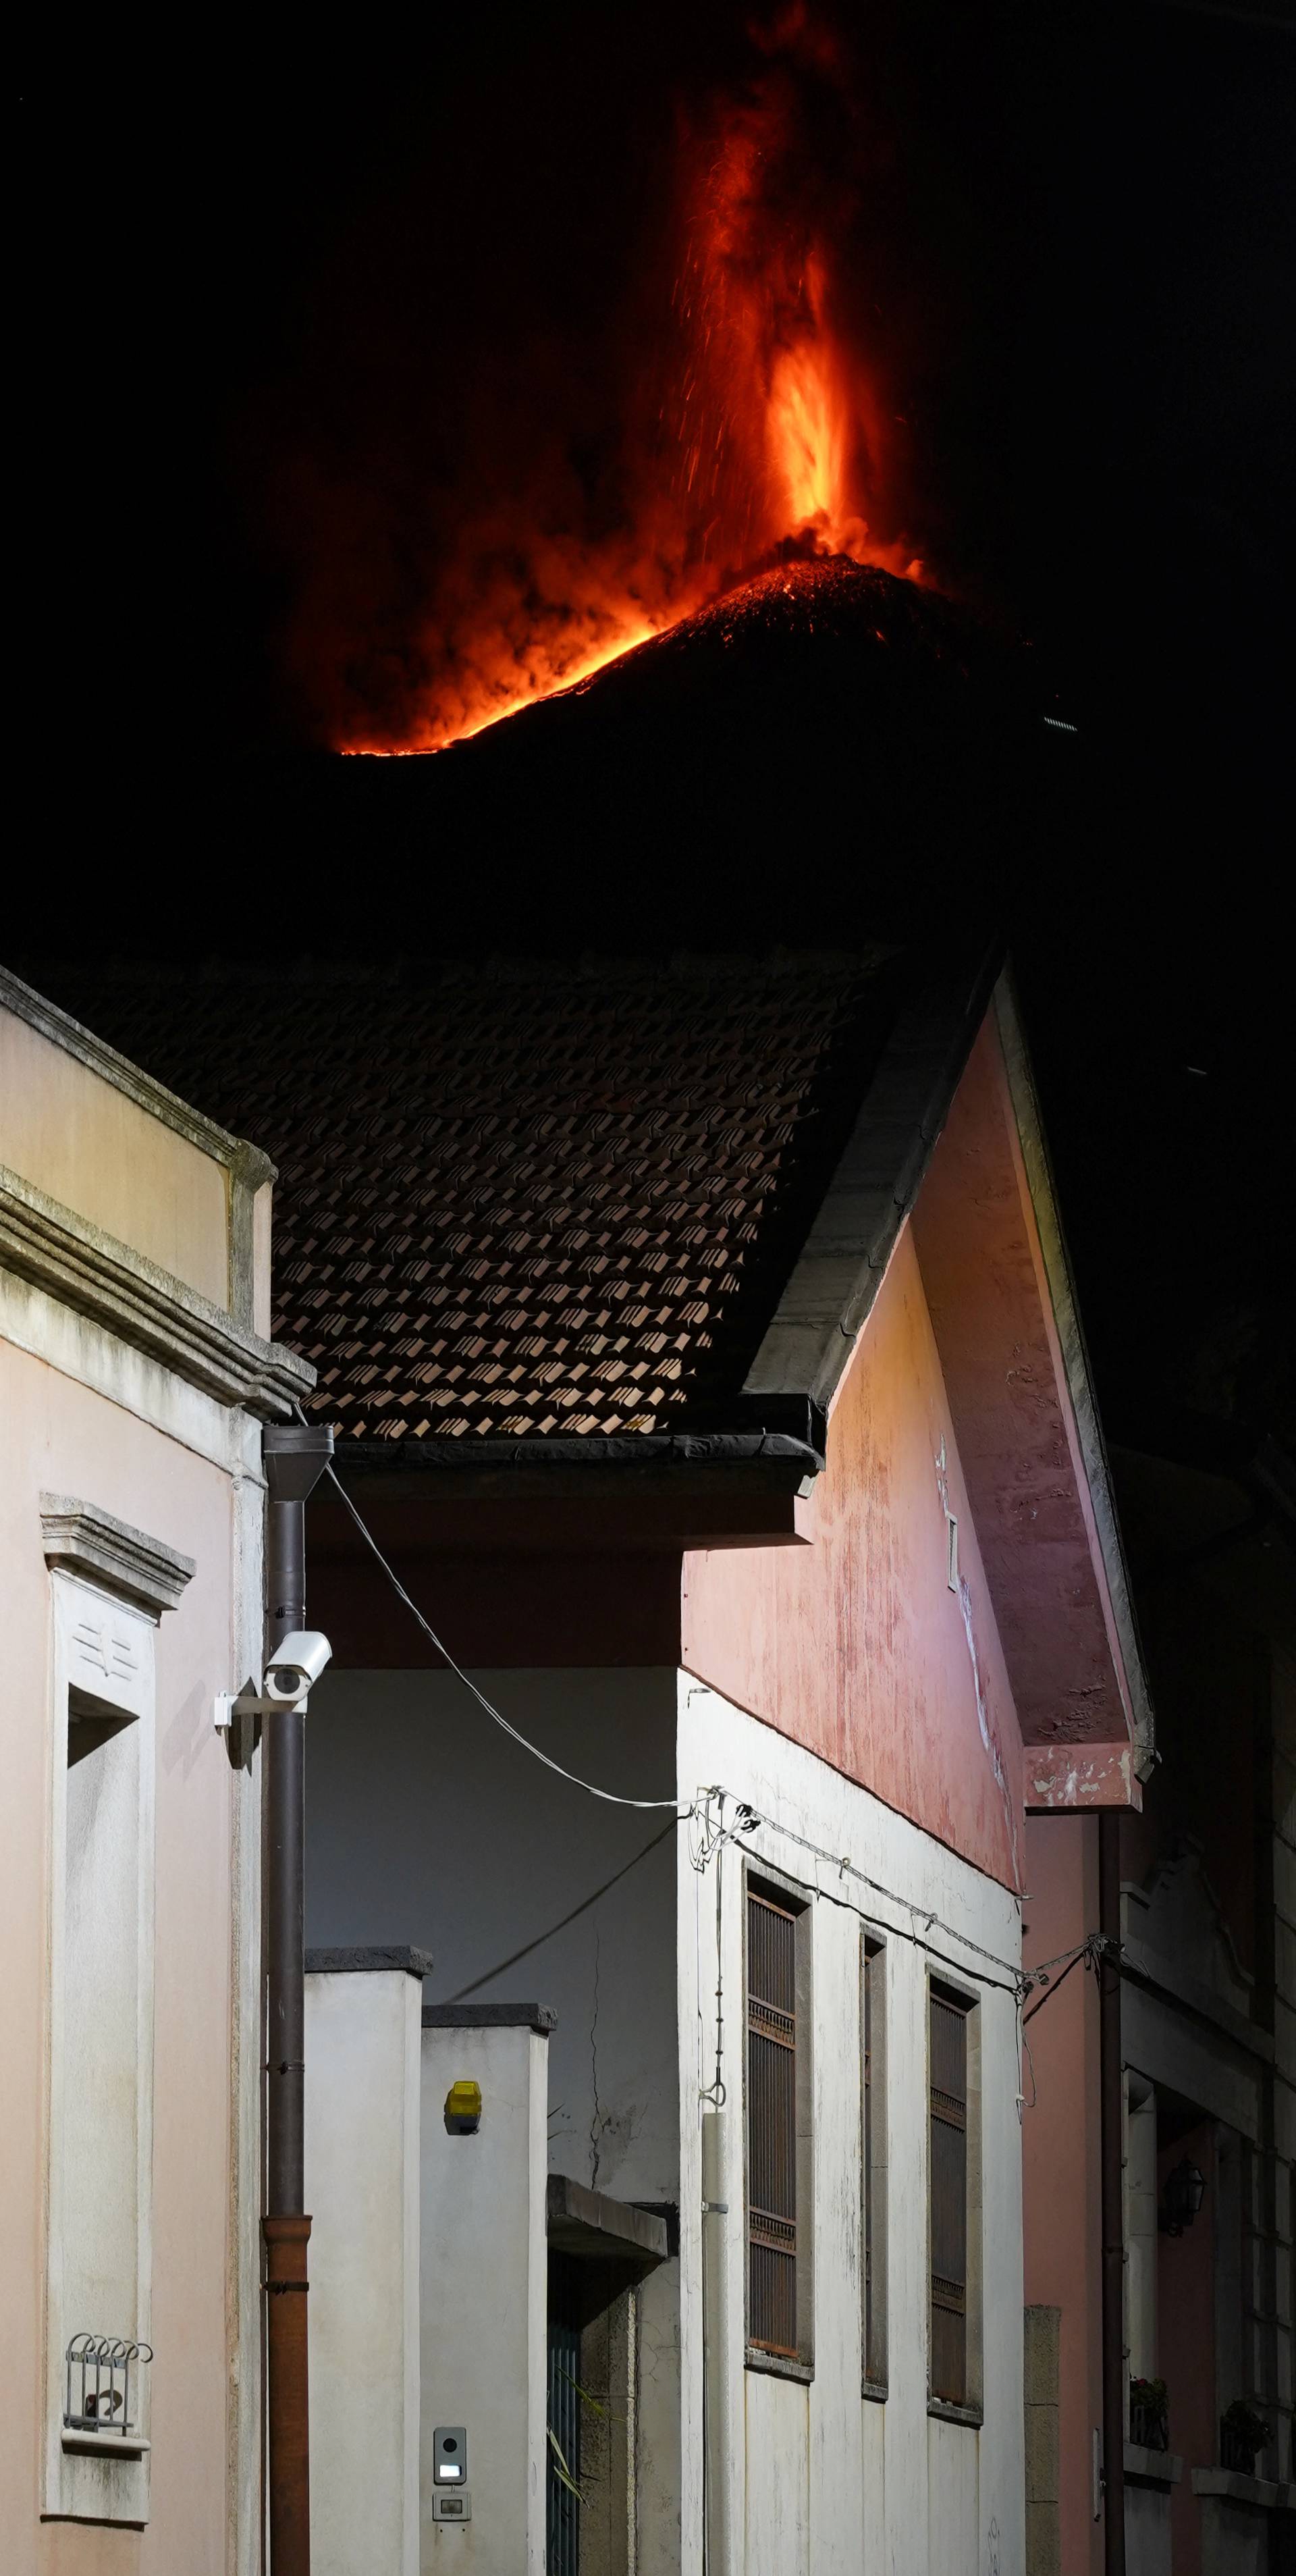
758	436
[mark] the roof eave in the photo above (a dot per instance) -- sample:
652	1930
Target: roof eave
829	1297
1077	1374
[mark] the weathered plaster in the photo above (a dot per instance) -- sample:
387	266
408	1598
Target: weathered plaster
855	1645
64	1435
93	1274
1081	1775
1017	1387
814	2465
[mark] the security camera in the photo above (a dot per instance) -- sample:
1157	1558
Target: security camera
297	1661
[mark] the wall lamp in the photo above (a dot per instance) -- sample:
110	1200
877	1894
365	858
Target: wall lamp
1182	2194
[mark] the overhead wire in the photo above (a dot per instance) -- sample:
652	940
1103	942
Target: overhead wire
1016	1980
554	1929
612	1797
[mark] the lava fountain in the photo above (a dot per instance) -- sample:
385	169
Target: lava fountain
770	437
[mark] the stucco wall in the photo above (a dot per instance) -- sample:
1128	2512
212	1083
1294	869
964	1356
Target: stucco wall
63	1437
426	1825
824	2481
362	2135
856	1645
94	1149
484	2285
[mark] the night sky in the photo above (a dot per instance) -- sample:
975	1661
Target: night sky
284	314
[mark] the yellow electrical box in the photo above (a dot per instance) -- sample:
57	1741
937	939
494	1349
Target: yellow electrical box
463	2108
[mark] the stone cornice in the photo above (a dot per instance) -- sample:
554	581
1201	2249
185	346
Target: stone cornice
80	1539
90	1271
246	1162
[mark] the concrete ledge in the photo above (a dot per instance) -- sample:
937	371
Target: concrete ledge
948	2413
345	1963
83	1268
1153	2468
1270	2494
87	1541
585	2222
537	2017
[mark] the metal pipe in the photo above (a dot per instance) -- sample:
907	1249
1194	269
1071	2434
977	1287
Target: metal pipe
715	2344
1113	2213
295	1456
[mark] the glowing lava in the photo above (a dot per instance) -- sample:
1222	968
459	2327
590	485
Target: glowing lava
769	437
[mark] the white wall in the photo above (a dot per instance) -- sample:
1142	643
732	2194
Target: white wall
823	2481
363	2193
484	2299
424	1824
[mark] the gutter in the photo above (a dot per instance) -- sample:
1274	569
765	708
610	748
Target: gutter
671	1450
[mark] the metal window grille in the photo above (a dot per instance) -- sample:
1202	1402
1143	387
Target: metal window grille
562	2507
771	2127
947	2077
97	2389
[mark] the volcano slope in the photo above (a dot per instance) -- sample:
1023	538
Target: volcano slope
823	753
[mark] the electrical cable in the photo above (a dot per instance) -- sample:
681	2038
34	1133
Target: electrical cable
612	1797
555	1928
1089	1950
1016	1980
1009	1985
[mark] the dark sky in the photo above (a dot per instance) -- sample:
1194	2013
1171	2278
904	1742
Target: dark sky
265	289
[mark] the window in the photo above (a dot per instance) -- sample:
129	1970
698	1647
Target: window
954	2198
779	2272
873	2161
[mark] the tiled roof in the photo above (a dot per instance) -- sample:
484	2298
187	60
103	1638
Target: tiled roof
520	1200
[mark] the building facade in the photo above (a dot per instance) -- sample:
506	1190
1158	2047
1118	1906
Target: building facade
137	1370
1206	2046
702	1360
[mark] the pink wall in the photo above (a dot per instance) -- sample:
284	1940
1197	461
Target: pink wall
855	1645
61	1437
1060	2156
978	1242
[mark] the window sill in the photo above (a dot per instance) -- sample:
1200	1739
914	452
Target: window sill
1268	2493
875	2390
778	2365
107	2446
1152	2468
951	2414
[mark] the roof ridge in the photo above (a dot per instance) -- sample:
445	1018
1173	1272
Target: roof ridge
415	975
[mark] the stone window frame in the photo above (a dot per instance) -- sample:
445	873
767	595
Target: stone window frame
109	1585
951	1988
761	1879
874	1968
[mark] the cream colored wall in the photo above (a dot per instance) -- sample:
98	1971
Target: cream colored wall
95	1150
823	2481
63	1437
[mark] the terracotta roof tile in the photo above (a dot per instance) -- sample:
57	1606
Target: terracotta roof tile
516	1201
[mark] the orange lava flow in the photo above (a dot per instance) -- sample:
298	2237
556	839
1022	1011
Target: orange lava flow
581	668
771	434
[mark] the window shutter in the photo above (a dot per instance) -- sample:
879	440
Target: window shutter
870	1969
949	2228
771	2126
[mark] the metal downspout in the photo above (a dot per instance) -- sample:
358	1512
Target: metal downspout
1113	2197
295	1456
